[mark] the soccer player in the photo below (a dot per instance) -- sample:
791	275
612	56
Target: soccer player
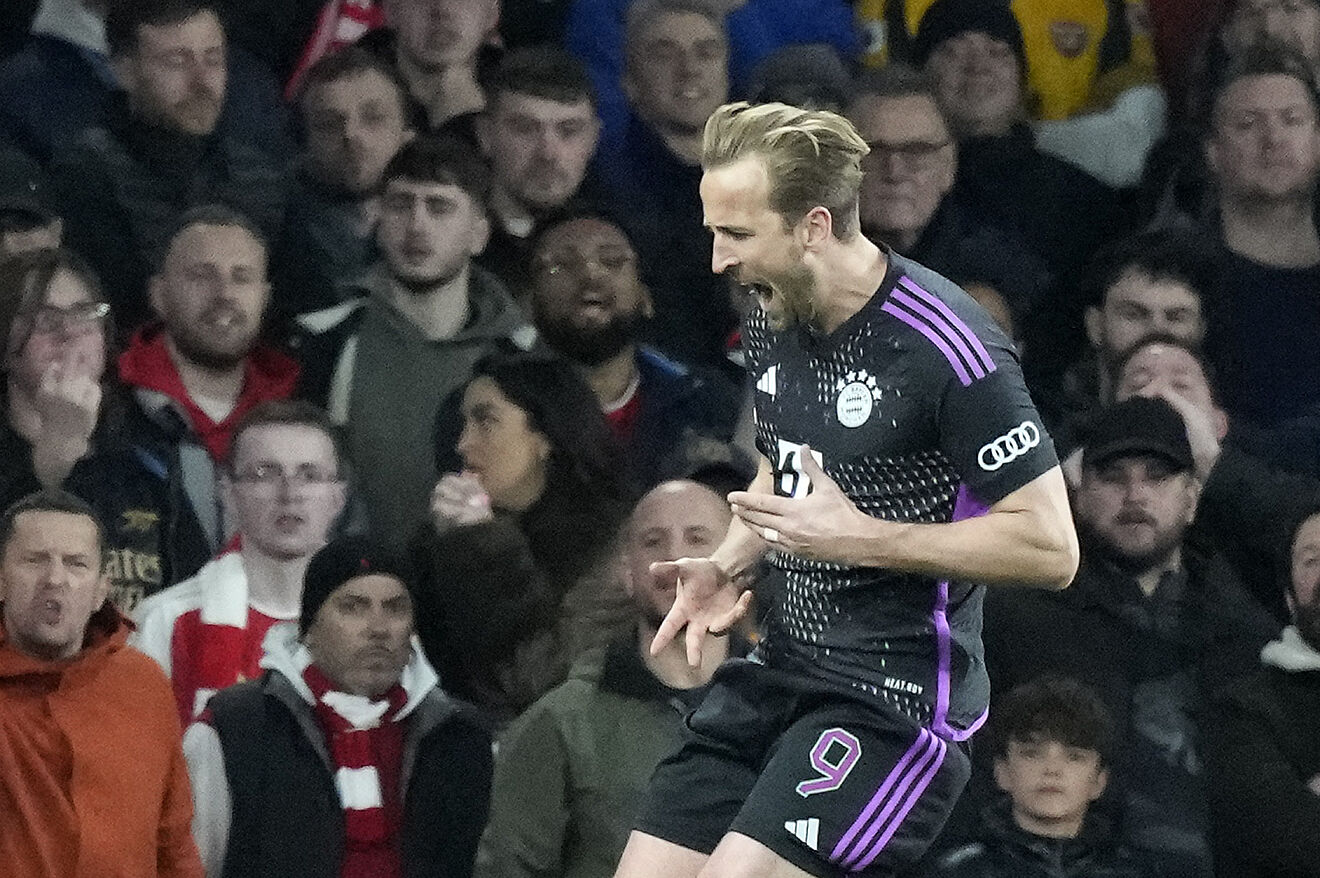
903	466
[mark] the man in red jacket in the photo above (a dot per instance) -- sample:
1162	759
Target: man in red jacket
92	777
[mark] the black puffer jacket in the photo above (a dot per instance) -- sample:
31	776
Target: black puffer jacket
1006	851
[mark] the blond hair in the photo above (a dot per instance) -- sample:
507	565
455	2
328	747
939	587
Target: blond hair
813	157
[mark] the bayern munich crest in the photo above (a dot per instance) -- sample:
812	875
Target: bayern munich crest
858	394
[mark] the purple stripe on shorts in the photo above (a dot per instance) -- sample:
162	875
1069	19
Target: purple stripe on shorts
923	740
942	326
940	305
943	647
935	339
931	753
912	799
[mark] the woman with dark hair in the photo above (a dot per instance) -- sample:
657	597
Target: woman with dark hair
60	420
535	507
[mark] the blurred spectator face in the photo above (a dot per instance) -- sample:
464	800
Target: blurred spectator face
355	125
361	636
284	489
538	148
979	83
1304	599
1137	508
674	520
51	583
1265	144
909	169
1050	783
1293	23
211	293
436	34
1137	306
65	331
176	77
587	299
1156	368
428	232
500	447
678	73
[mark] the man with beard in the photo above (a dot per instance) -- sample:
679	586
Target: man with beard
589	305
121	187
903	466
198	370
355	113
1153	624
1261	742
410	330
539	133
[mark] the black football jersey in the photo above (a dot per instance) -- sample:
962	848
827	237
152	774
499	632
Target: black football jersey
917	408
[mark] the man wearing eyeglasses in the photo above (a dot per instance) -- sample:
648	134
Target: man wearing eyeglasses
907	180
589	305
283	486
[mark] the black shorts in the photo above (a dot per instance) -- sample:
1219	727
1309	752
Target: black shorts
826	781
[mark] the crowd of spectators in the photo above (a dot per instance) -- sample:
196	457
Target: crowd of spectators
321	310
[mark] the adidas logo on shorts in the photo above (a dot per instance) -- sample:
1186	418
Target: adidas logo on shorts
806	831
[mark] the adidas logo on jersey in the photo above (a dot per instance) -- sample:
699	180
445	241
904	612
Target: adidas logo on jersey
766	383
806	831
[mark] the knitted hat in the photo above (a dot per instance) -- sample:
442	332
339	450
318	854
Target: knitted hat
1139	426
344	559
947	19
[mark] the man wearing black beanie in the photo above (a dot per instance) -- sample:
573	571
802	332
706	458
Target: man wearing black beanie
345	743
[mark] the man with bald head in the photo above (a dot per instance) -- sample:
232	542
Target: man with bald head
570	772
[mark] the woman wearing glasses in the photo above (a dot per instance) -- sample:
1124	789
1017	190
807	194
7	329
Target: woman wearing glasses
59	416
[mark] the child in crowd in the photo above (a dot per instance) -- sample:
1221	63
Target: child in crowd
1051	740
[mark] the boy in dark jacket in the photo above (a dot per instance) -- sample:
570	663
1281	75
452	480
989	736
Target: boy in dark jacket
1051	738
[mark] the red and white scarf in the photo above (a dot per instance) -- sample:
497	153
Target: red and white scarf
356	728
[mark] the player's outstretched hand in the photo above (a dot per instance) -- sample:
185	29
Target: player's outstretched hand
821	525
705	601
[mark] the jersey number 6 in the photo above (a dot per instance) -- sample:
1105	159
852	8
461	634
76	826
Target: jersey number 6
791	480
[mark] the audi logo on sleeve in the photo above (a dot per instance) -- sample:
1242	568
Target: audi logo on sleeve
1009	447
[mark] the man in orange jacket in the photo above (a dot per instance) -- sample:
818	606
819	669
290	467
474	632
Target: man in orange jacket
92	778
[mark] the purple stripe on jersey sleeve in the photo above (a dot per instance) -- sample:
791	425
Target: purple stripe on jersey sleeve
940	325
940	305
908	805
899	803
919	746
934	337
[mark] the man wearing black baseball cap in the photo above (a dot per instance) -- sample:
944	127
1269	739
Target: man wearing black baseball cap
304	772
1154	622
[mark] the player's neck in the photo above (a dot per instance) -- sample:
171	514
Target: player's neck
671	665
847	275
